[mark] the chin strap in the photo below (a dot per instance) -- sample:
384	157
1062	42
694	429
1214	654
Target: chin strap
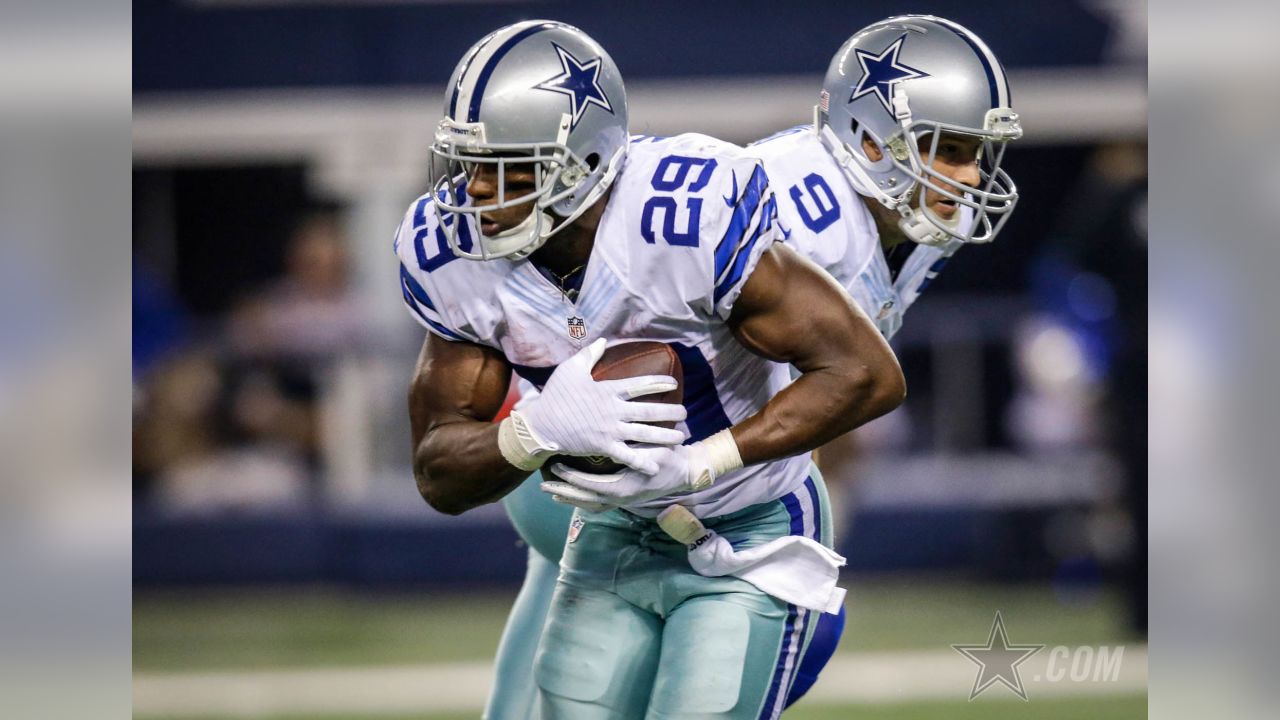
851	164
921	229
529	227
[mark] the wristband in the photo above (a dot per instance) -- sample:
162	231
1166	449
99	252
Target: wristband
721	455
520	446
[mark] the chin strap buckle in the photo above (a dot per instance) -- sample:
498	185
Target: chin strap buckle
918	229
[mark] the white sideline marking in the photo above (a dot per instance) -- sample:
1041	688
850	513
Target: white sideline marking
871	677
459	687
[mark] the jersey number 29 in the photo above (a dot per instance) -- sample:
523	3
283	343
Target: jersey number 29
673	172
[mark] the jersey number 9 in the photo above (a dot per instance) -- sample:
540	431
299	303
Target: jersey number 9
825	208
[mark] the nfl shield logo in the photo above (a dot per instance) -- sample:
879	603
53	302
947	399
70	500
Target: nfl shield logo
577	328
575	527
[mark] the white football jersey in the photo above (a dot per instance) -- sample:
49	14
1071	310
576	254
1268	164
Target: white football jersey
687	221
825	219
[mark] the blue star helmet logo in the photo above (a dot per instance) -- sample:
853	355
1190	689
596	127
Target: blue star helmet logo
580	81
880	73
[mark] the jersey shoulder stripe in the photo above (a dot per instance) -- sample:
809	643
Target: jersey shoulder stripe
745	252
430	272
417	300
744	210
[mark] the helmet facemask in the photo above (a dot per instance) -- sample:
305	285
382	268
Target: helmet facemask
990	203
900	178
564	186
901	85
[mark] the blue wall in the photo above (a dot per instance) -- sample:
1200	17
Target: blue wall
389	553
192	46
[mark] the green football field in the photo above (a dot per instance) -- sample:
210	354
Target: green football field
1117	708
315	628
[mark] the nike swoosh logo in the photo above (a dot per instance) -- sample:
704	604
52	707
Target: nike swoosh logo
732	198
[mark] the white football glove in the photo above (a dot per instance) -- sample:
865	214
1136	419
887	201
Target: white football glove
682	469
576	414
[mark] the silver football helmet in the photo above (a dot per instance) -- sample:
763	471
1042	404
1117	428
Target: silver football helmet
542	95
902	79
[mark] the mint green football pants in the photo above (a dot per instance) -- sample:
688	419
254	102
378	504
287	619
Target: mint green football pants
542	523
633	632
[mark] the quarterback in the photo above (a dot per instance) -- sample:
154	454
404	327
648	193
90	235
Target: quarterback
548	235
900	169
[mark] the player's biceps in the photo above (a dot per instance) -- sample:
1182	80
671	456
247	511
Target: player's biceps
776	335
425	405
840	337
470	390
489	390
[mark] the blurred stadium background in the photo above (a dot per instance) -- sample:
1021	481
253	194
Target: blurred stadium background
284	565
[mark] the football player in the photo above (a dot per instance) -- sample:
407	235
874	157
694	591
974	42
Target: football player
547	235
900	169
865	194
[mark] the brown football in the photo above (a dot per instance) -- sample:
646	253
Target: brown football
627	360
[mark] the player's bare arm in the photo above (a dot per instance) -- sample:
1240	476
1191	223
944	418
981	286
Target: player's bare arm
462	460
791	311
457	389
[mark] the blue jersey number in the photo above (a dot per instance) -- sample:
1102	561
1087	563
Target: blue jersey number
445	253
673	173
826	209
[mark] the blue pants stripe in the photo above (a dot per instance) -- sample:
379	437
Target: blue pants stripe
797	618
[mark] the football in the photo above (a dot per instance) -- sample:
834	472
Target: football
626	360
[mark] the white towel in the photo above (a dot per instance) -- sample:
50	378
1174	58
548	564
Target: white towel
794	569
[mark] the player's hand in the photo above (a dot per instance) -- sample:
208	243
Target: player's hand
681	470
567	494
578	415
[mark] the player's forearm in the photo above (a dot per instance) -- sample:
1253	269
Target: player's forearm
791	311
458	466
821	405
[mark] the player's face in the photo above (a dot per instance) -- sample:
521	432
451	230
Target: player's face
482	186
956	159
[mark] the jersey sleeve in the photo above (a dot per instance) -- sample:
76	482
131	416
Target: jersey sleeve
821	216
416	286
705	213
751	229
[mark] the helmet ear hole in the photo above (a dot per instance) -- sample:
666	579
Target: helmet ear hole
593	161
868	145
